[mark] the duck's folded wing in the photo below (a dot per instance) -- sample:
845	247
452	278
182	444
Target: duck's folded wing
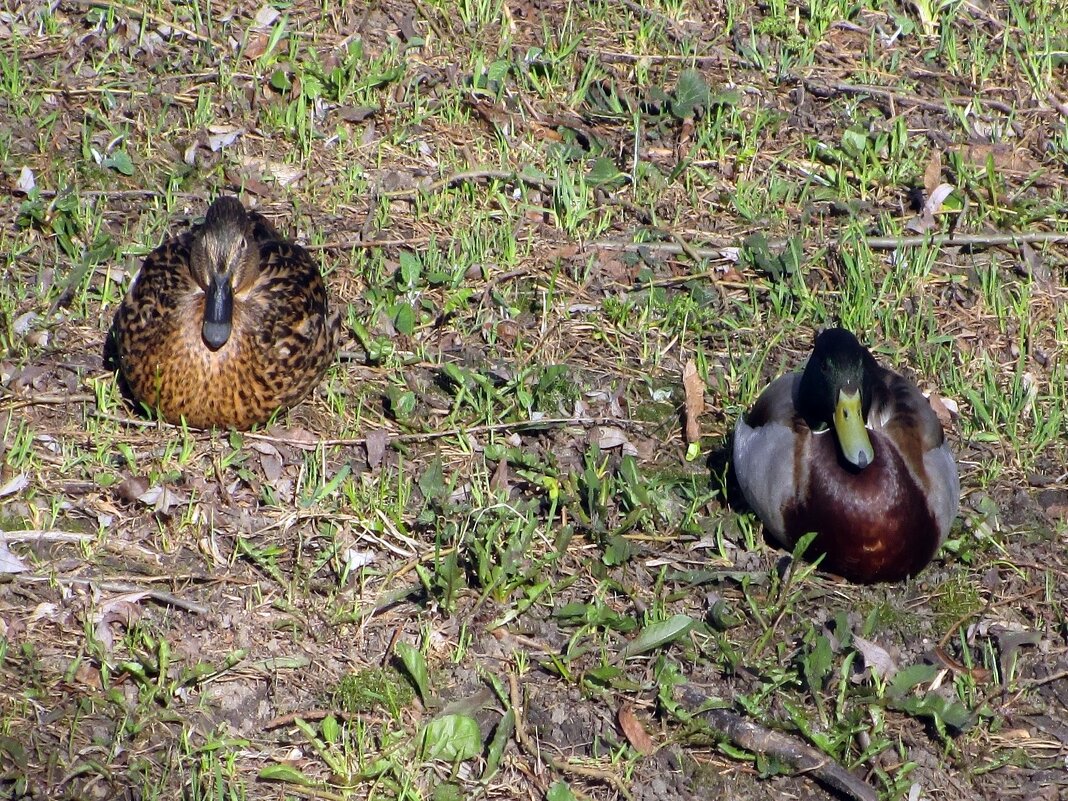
765	443
902	411
906	416
943	487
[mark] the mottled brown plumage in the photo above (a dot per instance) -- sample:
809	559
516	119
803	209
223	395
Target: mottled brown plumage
853	452
225	323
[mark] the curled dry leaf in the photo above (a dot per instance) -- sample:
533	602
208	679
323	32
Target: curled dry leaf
355	559
220	136
9	562
283	174
945	409
694	388
123	610
925	220
376	442
608	437
25	182
257	45
500	479
16	484
271	461
633	730
161	499
265	18
932	174
1032	265
875	657
132	488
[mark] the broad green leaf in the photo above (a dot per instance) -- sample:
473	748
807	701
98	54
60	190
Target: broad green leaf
691	92
817	663
908	678
404	318
401	402
414	662
498	71
311	87
454	373
120	161
942	711
657	635
604	674
410	269
854	142
432	481
451	738
501	736
280	80
330	729
617	552
604	172
560	791
284	773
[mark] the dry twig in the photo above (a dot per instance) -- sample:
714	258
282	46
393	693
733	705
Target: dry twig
751	736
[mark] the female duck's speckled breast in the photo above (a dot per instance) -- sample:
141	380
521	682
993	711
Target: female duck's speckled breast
271	317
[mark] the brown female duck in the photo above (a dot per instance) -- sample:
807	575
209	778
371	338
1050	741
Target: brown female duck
853	452
225	324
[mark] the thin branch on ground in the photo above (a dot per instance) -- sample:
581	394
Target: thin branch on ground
679	248
137	13
43	535
115	586
744	733
965	240
830	89
429	436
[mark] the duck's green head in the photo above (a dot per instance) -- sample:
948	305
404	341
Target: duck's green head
222	258
836	391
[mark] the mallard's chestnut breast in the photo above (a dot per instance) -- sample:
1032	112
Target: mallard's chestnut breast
873	524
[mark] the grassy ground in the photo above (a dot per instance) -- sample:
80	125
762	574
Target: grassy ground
477	563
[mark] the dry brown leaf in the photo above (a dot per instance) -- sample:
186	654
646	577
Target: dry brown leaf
932	175
500	479
257	45
9	562
981	675
608	437
944	409
633	730
876	657
1004	157
925	220
283	174
375	442
271	464
1033	266
122	609
694	388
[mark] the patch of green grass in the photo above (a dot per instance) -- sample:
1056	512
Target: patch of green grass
373	688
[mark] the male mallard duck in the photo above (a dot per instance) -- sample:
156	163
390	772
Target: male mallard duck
225	323
851	451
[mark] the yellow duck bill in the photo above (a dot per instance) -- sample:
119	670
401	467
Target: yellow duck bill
849	426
